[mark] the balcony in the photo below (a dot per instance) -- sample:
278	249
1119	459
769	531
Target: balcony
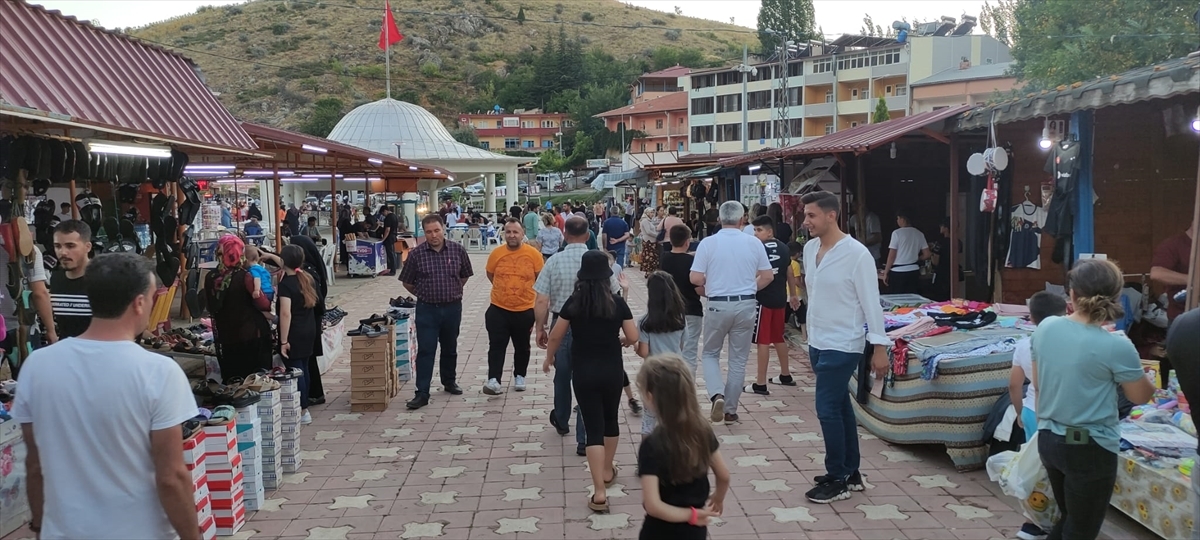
897	103
857	106
818	109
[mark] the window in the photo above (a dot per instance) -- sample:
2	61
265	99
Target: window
483	124
702	134
794	96
854	93
729	132
758	100
681	120
795	69
643	148
729	77
679	147
703	81
853	124
548	123
729	103
794	127
702	106
499	124
868	59
643	128
658	124
822	66
658	147
759	130
829	96
510	143
511	122
887	90
485	145
568	123
760	73
901	90
529	144
526	124
828	128
547	143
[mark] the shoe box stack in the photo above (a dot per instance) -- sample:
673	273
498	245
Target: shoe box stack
270	416
223	466
249	445
406	344
289	395
194	458
373	371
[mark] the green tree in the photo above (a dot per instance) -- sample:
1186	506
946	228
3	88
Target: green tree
794	19
582	150
466	135
665	57
1055	42
521	15
881	112
551	161
325	115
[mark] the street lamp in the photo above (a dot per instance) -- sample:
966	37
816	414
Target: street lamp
559	137
744	69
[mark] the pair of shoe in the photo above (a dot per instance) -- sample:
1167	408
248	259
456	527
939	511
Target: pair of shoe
829	489
306	419
762	390
493	388
1030	531
366	330
421	400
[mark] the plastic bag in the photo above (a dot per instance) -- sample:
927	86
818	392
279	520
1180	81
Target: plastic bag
1021	475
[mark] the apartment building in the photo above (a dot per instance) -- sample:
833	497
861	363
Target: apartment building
664	120
830	87
529	130
657	84
964	85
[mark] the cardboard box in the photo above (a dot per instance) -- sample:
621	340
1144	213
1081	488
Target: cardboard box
369	407
200	492
378	343
273	410
267	399
219	487
369	382
373	368
208	528
368	396
371	357
246	414
200	480
226	502
250	431
254	497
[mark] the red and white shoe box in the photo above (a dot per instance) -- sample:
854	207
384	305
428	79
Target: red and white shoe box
194	459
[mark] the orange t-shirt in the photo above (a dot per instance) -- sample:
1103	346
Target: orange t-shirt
513	273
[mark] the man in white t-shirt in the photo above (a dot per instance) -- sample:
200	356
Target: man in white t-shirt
871	234
901	273
101	418
731	267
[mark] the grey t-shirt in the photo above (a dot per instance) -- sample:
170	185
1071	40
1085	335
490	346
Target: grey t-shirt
668	342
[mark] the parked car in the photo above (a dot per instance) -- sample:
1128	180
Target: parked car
449	192
523	186
475	188
591	175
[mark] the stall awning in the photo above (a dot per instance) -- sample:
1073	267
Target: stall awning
612	180
300	152
697	173
60	70
855	140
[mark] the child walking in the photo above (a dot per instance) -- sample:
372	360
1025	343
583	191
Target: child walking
661	330
674	459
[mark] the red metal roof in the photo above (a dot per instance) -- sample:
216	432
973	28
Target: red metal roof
671	102
58	69
388	165
673	71
856	139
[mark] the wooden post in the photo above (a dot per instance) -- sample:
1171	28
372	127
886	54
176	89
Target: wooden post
74	207
954	166
278	206
1193	286
860	198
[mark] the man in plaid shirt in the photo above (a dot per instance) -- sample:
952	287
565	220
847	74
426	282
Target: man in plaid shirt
435	273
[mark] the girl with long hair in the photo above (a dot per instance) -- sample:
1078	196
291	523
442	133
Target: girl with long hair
550	237
296	295
674	459
661	330
1077	416
596	317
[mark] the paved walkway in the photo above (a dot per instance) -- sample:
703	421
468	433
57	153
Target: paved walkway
474	466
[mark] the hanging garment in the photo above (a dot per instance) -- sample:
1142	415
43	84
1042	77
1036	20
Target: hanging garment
1025	243
1063	164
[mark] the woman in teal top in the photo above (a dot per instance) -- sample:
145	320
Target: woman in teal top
1077	366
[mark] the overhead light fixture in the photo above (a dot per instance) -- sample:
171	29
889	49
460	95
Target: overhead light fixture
127	149
1045	143
435	171
204	167
376	161
1196	124
321	175
892	151
312	148
268	173
412	167
755	167
299	179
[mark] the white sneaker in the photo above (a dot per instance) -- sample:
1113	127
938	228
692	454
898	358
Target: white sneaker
492	388
519	383
306	419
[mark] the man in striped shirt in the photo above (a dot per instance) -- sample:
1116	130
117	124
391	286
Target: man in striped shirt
68	297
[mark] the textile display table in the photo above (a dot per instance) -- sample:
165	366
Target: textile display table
950	409
1161	499
367	257
14	506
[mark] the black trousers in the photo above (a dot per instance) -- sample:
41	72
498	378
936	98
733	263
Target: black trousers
389	248
504	326
904	282
599	397
1082	477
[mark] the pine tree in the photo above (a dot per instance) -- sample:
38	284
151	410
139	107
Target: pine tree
521	15
881	112
795	19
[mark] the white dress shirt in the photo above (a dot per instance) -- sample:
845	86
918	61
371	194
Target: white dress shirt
730	262
843	297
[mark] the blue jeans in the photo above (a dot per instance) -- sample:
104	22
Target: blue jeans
619	249
562	387
437	324
835	411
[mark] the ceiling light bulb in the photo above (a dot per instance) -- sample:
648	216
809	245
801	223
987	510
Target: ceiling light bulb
1045	141
1196	124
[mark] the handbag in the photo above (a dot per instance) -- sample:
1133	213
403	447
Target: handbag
1022	475
987	199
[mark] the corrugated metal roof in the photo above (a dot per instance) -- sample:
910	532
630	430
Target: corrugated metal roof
1174	77
856	139
390	165
670	102
673	71
59	69
985	71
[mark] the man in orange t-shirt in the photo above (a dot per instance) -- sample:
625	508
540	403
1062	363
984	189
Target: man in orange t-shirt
512	268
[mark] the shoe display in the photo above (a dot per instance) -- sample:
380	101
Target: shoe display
491	388
828	491
783	380
519	383
417	402
717	413
760	389
452	388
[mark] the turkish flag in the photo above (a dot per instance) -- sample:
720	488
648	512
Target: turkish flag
389	34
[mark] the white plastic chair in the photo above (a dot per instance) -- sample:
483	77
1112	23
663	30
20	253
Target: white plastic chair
457	234
492	237
475	238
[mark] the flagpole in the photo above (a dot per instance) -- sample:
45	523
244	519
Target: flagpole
387	52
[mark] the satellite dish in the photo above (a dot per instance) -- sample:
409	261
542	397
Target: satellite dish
975	164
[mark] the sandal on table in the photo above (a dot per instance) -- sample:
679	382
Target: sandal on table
222	415
597	507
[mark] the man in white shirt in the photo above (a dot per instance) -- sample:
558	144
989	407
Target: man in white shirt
101	419
901	273
871	234
843	294
731	267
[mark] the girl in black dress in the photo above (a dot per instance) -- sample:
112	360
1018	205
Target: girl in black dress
296	295
596	318
674	459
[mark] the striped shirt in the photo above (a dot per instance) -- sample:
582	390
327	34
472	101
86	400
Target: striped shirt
69	302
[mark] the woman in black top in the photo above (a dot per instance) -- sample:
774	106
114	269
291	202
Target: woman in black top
296	296
314	266
240	332
596	318
674	459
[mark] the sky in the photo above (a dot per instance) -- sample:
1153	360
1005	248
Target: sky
834	16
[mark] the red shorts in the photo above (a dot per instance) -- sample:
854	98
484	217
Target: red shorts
768	326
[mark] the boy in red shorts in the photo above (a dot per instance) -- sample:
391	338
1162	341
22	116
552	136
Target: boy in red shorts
772	308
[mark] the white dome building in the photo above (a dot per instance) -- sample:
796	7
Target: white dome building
408	131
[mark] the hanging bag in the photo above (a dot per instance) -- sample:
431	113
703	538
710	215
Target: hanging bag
1022	475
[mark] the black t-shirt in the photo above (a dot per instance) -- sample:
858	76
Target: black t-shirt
784	233
652	461
69	302
1183	348
679	265
595	342
303	330
392	223
774	295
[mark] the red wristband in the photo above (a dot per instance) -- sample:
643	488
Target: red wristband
695	515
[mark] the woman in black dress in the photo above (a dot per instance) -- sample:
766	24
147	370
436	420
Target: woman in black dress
296	296
596	318
240	331
314	265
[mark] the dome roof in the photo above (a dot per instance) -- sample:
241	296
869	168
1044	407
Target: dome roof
380	125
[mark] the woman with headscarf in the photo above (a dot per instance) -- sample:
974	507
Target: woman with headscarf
344	227
649	236
254	212
783	231
241	334
314	265
292	219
